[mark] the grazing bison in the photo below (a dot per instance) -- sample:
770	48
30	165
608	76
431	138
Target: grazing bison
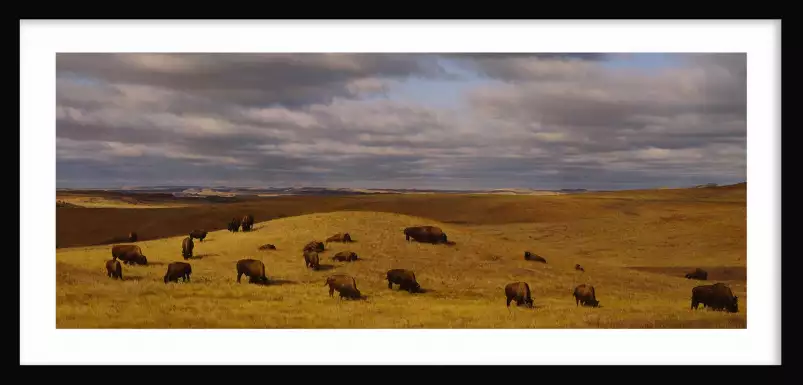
519	292
177	270
248	222
717	296
345	285
339	237
314	246
528	256
404	278
186	248
114	269
253	269
425	234
585	295
132	237
200	234
311	259
234	225
129	254
345	256
698	273
579	268
267	246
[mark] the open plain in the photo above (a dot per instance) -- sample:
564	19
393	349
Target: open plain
635	247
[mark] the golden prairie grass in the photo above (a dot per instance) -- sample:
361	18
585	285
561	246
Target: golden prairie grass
634	254
114	203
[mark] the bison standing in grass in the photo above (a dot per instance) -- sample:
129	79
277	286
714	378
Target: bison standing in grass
345	285
425	234
579	268
234	225
528	256
311	259
698	273
129	254
585	295
717	296
404	278
339	237
253	269
345	256
114	269
200	234
186	248
177	270
314	246
248	222
519	292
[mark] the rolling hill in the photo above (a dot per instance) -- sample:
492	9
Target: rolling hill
635	247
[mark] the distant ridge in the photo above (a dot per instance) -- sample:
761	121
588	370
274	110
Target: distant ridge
188	191
191	191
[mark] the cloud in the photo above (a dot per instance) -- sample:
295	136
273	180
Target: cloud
523	120
249	78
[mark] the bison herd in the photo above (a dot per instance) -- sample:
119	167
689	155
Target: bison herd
717	296
247	223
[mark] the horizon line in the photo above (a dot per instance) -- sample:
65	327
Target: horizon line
387	189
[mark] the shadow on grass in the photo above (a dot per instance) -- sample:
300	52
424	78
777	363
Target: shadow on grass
419	292
362	297
524	307
324	267
134	278
271	282
202	256
356	260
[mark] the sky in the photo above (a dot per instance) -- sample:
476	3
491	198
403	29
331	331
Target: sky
395	120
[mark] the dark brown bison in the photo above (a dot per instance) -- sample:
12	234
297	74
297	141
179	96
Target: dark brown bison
528	256
717	296
314	246
114	269
186	248
267	246
698	273
519	292
404	278
234	225
425	234
253	269
585	295
248	222
579	268
129	254
345	285
176	270
345	256
339	237
311	259
132	237
200	234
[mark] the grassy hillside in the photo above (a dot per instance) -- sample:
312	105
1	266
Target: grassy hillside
88	226
634	248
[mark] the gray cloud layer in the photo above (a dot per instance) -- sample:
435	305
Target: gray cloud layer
543	121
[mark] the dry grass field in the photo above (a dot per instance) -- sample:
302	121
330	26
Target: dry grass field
635	247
